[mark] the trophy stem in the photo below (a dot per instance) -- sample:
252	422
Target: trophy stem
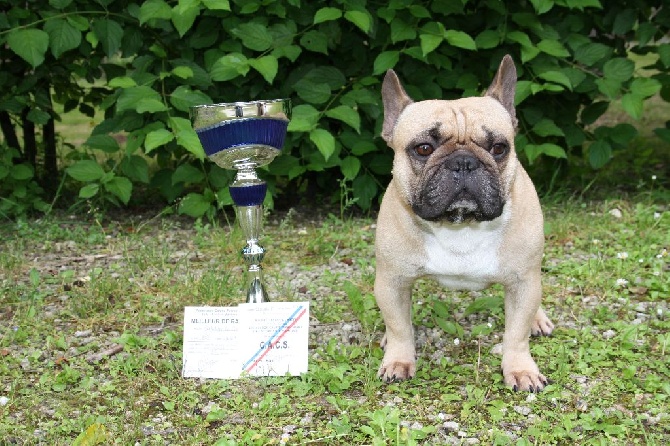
248	192
250	218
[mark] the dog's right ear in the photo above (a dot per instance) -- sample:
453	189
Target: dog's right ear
395	100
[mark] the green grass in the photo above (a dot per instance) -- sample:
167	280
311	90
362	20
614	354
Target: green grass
72	289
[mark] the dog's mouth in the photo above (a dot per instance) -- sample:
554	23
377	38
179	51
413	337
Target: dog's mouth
461	211
476	199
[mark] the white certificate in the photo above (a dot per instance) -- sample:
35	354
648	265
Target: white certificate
275	338
211	342
268	339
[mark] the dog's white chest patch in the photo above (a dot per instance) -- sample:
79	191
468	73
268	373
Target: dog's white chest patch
465	256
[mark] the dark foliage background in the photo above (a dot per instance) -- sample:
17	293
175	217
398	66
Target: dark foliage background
140	65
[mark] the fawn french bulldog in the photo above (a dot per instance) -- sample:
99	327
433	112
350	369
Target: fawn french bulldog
462	210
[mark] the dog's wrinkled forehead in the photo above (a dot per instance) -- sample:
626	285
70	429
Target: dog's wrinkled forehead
458	121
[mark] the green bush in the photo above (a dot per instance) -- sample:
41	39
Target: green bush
146	62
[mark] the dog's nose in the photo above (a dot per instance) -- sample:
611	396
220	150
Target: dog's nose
462	163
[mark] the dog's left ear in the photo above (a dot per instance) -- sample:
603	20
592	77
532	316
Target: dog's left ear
503	86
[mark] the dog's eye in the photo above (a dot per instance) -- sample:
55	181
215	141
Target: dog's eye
498	150
424	149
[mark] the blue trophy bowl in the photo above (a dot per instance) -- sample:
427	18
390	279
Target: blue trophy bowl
243	136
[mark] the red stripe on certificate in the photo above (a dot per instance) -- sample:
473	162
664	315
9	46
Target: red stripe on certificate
281	335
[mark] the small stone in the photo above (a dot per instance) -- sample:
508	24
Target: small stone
450	425
609	334
82	333
522	410
616	213
497	349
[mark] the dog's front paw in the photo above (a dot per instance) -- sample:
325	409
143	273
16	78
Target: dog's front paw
525	380
541	326
521	373
397	371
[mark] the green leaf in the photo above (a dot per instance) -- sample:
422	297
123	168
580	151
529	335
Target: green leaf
291	52
326	14
487	39
632	104
304	118
542	6
360	19
664	54
194	205
93	435
547	127
312	92
85	171
401	30
21	172
556	77
329	75
253	36
609	87
593	111
38	116
62	36
581	4
154	9
324	141
136	168
460	39
645	87
429	42
121	187
156	139
29	44
350	167
623	134
553	48
150	105
183	72
315	41
214	5
619	69
484	305
122	82
267	66
186	137
384	61
600	152
229	67
535	150
134	98
184	14
109	34
519	37
89	190
624	21
663	133
365	189
186	173
60	4
183	97
347	115
591	53
106	143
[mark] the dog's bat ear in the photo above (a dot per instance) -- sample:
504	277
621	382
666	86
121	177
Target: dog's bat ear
395	100
503	86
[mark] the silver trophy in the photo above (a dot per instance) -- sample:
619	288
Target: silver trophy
244	136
